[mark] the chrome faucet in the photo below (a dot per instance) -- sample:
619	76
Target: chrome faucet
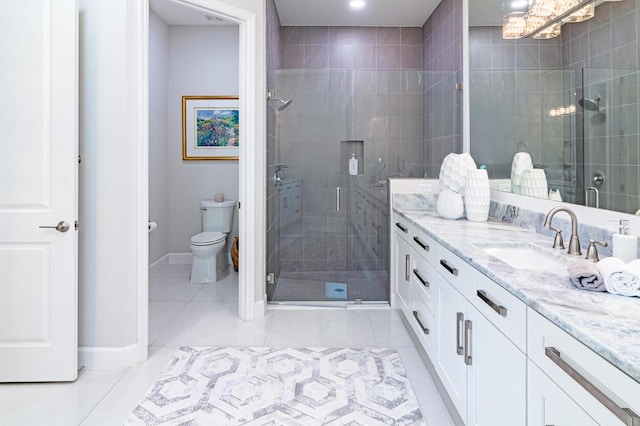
574	242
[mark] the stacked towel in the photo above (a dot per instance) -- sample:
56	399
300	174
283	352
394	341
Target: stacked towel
619	277
585	276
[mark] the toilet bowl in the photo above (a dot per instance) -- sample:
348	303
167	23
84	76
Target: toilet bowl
208	247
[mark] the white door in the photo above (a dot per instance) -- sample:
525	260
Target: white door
38	187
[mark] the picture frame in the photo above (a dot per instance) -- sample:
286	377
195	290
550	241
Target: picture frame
210	127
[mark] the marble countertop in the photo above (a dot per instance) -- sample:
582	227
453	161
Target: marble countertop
608	324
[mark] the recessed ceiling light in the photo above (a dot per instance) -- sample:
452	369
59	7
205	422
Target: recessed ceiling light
357	4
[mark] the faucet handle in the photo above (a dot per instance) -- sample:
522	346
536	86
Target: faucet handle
592	251
558	242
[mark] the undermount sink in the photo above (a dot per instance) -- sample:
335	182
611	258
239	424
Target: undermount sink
528	256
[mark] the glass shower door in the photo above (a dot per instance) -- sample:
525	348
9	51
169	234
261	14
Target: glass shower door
312	211
328	230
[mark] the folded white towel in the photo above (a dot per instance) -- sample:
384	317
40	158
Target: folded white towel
619	277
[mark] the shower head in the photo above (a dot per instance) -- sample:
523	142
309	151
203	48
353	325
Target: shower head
283	103
590	104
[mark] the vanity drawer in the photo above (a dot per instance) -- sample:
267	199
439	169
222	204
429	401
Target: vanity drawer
402	227
422	244
501	308
455	270
424	326
575	368
424	284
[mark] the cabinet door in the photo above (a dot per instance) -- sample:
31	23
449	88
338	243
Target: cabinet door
403	274
497	374
450	361
549	405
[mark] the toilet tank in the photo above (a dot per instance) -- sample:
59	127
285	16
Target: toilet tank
217	216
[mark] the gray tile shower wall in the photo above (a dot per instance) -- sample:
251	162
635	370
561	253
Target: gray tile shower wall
351	47
442	53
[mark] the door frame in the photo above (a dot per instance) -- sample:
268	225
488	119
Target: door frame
252	158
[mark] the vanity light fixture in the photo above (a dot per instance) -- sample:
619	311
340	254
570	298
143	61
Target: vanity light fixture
560	111
357	4
544	17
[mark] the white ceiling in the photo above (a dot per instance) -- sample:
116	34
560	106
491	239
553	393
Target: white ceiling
487	13
404	13
175	14
389	13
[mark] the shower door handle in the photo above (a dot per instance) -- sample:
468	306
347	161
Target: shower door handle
338	199
586	196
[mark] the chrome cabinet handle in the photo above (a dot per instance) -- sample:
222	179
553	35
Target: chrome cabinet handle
627	416
407	266
62	226
402	228
422	280
338	199
424	246
459	321
467	342
493	305
425	330
451	269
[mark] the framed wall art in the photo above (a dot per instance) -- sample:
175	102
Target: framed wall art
210	127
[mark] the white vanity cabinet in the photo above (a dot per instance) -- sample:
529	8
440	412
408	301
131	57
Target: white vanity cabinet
416	289
483	371
402	254
574	374
500	361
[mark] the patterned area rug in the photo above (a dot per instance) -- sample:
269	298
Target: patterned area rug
267	386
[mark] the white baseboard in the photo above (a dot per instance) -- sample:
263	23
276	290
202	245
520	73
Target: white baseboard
159	264
187	258
180	258
110	358
260	307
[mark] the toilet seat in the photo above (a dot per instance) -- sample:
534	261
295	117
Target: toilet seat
207	238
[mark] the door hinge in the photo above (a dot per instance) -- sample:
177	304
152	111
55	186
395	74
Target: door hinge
76	225
457	86
238	205
79	158
271	278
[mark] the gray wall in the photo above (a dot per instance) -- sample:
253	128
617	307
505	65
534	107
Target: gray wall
158	141
203	60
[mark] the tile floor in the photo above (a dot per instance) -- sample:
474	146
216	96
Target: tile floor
181	313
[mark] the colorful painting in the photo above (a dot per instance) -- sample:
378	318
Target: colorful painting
210	127
217	127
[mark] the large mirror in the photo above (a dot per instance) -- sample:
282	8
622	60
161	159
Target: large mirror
570	101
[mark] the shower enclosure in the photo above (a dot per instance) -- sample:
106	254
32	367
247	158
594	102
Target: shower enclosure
328	231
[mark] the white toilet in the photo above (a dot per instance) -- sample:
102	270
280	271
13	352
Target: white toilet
208	247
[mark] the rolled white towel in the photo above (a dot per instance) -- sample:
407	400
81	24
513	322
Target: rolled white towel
620	278
585	276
